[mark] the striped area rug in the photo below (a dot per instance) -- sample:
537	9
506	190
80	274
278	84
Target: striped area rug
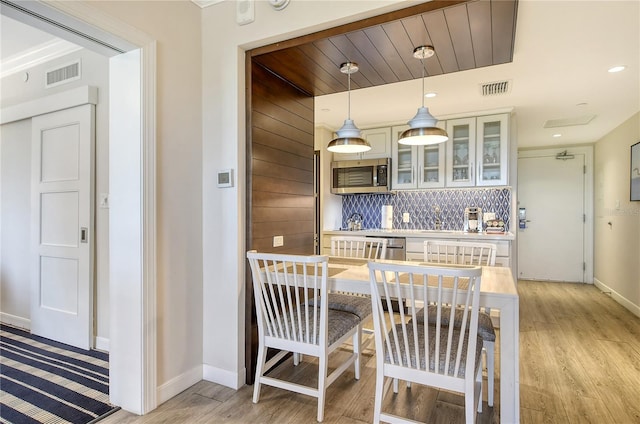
42	381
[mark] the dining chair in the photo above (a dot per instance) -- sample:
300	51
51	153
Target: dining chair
356	247
468	253
438	355
286	288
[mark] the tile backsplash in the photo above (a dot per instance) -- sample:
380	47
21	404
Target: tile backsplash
420	207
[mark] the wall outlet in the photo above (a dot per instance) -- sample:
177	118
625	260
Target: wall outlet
406	217
278	241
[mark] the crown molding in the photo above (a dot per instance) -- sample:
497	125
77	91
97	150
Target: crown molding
36	55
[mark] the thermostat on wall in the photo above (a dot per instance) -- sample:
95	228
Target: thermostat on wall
225	178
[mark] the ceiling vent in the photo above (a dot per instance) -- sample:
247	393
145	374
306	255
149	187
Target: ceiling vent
495	88
62	75
569	122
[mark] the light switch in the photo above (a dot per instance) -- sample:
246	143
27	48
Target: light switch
104	201
278	241
406	217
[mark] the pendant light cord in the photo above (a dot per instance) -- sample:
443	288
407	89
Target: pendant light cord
349	93
422	65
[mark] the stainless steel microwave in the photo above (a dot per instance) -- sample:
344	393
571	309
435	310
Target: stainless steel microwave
361	176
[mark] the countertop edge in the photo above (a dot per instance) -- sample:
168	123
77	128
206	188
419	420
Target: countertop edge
423	234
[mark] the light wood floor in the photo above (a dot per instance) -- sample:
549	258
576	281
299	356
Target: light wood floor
579	363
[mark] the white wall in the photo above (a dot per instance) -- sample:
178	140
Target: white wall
223	86
15	247
15	191
617	228
175	25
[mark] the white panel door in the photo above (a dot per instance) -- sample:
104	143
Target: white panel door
62	225
551	190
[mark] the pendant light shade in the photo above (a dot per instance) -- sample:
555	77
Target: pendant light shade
349	138
422	128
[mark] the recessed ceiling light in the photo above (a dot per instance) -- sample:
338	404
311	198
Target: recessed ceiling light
432	94
582	104
617	68
557	135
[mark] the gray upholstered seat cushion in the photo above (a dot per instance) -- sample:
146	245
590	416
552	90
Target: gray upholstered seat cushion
432	344
357	305
339	323
485	326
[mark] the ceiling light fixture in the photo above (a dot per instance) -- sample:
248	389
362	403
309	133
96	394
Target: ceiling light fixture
349	138
422	128
616	69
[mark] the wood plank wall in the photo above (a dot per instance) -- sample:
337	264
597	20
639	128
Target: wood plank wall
280	178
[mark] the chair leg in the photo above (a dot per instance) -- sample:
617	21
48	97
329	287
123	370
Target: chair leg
490	353
377	406
261	359
395	385
297	358
322	384
357	343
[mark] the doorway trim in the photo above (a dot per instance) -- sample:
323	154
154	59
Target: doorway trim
587	151
140	326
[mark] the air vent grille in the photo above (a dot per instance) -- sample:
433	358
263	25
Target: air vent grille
495	88
62	75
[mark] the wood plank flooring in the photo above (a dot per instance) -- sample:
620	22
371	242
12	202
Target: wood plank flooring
579	363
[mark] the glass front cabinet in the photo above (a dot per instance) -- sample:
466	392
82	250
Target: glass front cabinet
477	151
416	166
476	154
492	154
461	152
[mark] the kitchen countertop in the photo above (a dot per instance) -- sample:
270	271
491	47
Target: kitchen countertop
446	234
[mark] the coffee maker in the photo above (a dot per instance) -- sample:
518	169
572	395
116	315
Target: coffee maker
473	219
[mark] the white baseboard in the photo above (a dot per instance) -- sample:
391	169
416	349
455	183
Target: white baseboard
16	321
179	384
226	378
635	309
101	343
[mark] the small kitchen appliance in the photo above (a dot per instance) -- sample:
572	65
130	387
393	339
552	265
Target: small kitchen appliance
473	219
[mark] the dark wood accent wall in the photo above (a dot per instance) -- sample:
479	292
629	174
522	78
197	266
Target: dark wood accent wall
280	176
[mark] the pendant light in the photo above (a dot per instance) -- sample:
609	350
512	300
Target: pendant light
422	128
349	138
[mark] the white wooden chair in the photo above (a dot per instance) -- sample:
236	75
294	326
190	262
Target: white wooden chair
359	247
356	247
459	252
285	287
468	253
438	355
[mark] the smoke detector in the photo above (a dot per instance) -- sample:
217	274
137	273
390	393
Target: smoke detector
279	4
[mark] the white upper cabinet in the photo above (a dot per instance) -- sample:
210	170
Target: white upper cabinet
493	152
461	152
416	166
477	151
380	141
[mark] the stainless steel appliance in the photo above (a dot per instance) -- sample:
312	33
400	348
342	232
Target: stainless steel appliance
473	219
396	248
361	176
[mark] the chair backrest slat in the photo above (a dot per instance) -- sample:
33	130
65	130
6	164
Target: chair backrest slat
286	287
459	252
359	247
439	348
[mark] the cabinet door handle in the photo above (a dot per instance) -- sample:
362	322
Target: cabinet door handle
470	171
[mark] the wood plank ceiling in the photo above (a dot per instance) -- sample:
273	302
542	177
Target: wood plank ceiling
465	35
